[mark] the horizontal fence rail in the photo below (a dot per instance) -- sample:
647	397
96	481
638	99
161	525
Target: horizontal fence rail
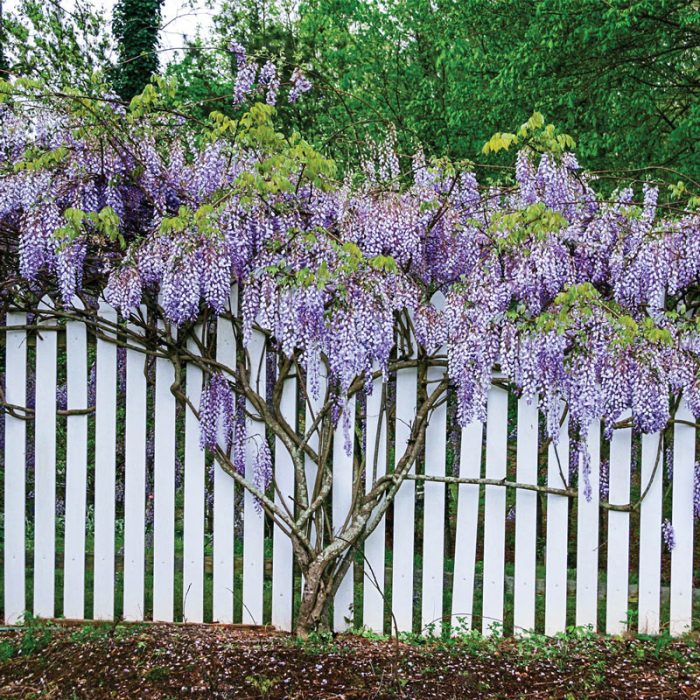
111	509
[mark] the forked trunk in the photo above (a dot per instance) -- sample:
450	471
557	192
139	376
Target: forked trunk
316	597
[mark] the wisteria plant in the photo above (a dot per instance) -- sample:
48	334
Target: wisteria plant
579	299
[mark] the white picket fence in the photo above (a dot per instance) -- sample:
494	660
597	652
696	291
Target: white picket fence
416	592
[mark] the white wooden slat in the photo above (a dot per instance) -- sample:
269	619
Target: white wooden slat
495	509
434	513
434	504
588	525
617	594
650	535
105	470
253	519
341	502
526	518
222	575
164	492
76	472
404	504
467	524
193	517
681	612
375	455
45	473
282	554
135	479
557	535
224	493
15	470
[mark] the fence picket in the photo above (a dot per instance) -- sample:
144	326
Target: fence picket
588	526
105	470
557	534
282	554
681	612
404	504
253	519
617	594
45	472
164	492
526	518
375	466
434	513
341	503
15	470
467	525
224	493
495	509
650	535
135	426
193	532
76	471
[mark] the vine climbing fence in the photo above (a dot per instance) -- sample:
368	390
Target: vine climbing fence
112	509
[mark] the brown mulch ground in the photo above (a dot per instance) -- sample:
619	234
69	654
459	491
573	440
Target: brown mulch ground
182	661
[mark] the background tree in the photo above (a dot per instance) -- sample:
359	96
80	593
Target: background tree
61	48
136	26
624	76
3	59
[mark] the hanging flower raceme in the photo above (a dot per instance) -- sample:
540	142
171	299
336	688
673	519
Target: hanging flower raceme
300	85
124	289
262	477
217	410
668	534
269	82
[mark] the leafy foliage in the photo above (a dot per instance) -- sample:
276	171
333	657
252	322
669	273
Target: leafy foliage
4	65
623	76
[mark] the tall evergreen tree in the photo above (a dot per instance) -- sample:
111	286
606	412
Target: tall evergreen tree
3	59
135	25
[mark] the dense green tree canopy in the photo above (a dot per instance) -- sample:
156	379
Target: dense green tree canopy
3	58
622	75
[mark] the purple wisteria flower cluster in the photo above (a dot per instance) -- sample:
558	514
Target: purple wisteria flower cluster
668	535
268	78
217	413
579	298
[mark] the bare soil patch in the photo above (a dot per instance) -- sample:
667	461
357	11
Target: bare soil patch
161	661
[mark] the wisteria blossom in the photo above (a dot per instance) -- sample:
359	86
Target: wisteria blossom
300	85
668	534
251	78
